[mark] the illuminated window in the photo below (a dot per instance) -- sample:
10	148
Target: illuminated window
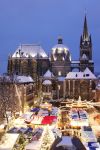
59	73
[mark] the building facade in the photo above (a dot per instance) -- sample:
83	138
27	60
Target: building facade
31	59
28	59
80	84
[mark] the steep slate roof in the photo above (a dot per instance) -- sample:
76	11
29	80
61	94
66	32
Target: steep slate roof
48	74
32	50
87	74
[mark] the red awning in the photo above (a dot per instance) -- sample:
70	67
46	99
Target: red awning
48	119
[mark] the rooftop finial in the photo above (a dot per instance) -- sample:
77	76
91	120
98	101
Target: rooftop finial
60	40
85	11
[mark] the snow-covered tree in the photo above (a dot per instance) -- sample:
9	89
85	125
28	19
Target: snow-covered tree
47	139
8	101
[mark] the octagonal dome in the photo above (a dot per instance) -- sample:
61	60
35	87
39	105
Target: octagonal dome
61	49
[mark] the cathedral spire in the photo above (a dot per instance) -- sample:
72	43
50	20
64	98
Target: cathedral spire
85	29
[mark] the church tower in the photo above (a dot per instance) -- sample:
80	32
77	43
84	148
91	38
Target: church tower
86	49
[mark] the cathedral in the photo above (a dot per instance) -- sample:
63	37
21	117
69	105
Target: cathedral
32	60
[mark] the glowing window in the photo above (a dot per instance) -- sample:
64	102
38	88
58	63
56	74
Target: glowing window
59	73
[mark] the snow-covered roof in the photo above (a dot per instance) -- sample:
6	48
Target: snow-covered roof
8	141
88	135
61	78
66	141
32	50
48	74
86	74
47	82
88	71
24	79
75	61
34	145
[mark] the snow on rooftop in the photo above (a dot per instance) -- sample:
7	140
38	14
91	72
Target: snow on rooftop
48	74
66	141
8	141
75	61
61	78
24	79
26	50
86	74
47	82
34	145
88	135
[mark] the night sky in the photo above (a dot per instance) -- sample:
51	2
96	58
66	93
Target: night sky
42	21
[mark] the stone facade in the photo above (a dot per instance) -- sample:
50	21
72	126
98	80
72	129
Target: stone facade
31	59
22	66
79	87
27	94
28	60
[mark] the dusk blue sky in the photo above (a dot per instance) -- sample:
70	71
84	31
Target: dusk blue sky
42	21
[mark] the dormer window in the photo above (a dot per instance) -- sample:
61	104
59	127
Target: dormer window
87	75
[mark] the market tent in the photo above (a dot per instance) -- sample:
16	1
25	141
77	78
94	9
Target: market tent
37	119
8	141
66	142
48	119
34	145
35	109
94	145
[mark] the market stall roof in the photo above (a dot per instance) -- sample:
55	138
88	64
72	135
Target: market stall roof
66	141
37	120
34	145
35	109
8	141
88	135
48	119
94	145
